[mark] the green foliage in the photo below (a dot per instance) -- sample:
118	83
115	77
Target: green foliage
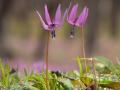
66	83
106	62
107	76
80	66
108	66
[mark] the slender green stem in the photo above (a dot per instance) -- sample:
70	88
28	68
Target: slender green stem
94	72
83	49
46	60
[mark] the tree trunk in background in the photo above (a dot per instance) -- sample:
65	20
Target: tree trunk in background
114	17
92	29
4	8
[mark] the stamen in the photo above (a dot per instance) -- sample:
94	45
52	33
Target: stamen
72	33
53	34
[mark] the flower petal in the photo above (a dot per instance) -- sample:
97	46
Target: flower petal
82	18
57	19
47	16
42	21
71	18
63	18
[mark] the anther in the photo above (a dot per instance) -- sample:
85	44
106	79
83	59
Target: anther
72	33
53	34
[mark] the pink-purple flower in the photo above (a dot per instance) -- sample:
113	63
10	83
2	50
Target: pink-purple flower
37	66
51	24
75	20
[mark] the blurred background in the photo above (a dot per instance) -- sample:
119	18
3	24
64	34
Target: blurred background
23	39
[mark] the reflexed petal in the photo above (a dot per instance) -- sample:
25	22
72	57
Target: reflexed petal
47	16
83	17
71	22
72	16
57	19
42	21
63	18
65	14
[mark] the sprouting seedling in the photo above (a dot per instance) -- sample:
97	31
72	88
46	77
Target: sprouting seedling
78	21
50	26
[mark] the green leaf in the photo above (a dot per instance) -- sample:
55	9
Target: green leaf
105	62
112	85
80	66
66	84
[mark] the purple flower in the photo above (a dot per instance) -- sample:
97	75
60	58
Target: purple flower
75	20
49	24
37	67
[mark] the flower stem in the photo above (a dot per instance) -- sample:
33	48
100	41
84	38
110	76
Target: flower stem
46	60
83	49
94	73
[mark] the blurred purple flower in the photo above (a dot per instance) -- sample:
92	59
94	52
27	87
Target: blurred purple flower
19	66
75	20
37	67
49	24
